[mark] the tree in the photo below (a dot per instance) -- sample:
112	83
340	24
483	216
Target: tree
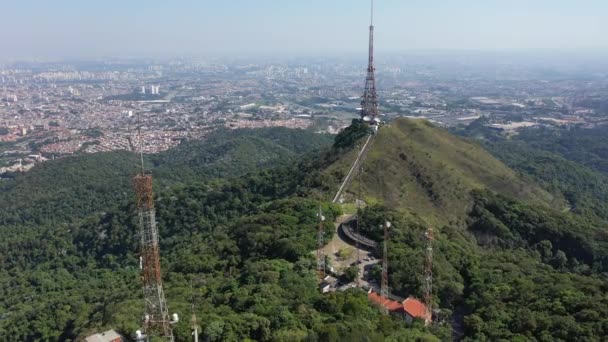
351	273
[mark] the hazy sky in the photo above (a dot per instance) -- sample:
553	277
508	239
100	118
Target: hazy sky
159	28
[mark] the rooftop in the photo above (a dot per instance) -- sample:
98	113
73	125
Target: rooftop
108	336
411	306
415	308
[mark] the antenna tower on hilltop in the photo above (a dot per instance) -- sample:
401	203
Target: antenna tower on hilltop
369	102
156	314
358	222
194	320
320	255
384	290
428	270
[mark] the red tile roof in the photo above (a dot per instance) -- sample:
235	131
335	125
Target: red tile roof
415	308
391	305
412	306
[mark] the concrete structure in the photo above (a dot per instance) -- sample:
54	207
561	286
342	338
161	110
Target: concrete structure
328	284
364	242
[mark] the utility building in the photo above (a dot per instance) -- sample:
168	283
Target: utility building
410	308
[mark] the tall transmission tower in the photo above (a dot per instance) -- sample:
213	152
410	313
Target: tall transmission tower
428	269
369	102
156	314
321	266
384	290
358	222
193	320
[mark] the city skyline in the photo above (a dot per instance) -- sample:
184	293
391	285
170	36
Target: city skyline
73	29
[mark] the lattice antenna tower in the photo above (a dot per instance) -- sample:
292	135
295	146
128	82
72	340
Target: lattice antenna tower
194	321
384	288
358	222
156	321
369	102
321	266
428	269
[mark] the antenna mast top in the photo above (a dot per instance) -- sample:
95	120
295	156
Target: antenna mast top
371	21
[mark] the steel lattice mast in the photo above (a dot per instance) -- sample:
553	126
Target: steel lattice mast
156	313
359	221
369	102
384	290
428	269
320	255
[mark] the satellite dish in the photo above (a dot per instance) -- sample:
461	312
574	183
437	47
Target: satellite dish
367	119
359	108
377	120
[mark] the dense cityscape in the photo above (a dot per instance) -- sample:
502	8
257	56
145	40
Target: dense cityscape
52	109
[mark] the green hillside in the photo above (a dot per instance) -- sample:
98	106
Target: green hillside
238	246
237	220
71	188
417	167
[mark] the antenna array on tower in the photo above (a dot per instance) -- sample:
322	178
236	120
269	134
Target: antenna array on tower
369	102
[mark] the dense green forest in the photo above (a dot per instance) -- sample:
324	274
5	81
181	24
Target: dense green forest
72	188
237	223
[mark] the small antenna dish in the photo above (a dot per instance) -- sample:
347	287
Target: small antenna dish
175	318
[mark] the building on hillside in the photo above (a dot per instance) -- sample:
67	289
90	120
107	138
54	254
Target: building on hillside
410	309
413	308
108	336
392	306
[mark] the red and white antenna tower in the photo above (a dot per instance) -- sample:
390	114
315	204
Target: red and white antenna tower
369	102
156	314
384	289
428	270
320	255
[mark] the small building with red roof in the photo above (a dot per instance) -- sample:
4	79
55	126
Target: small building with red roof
411	308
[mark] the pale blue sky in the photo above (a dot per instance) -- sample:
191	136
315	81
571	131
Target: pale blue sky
160	28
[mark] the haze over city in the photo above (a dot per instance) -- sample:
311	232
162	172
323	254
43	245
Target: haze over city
95	29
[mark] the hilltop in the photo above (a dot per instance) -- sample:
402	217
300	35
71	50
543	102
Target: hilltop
414	166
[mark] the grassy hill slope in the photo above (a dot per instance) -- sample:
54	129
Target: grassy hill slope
417	167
